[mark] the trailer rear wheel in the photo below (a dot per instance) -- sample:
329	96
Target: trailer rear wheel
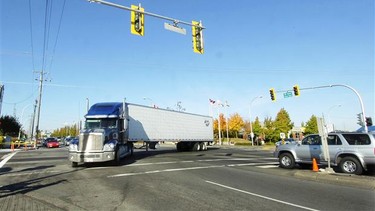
203	146
196	146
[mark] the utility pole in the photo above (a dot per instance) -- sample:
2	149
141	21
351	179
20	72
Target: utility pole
1	96
39	102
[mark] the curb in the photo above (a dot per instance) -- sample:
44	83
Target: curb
338	178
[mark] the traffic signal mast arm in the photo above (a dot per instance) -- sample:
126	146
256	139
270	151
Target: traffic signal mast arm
175	21
342	85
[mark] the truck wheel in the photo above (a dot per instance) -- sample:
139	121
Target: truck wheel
196	146
350	165
117	157
203	146
286	160
74	164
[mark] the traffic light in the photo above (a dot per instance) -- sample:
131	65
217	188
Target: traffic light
137	21
368	121
360	119
197	33
296	90
273	94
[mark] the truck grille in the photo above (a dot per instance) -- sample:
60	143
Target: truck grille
90	142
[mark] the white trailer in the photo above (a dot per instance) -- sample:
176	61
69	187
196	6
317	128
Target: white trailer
152	125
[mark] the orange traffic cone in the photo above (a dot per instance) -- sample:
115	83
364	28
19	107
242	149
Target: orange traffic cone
315	166
12	147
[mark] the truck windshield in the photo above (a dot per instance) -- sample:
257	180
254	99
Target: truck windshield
100	123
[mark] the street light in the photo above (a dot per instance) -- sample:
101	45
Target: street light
152	102
19	131
226	114
251	127
329	117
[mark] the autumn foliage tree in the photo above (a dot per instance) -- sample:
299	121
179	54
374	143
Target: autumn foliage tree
236	124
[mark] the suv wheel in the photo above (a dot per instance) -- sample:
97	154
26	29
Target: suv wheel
286	160
350	165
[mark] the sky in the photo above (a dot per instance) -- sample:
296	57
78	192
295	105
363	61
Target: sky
87	52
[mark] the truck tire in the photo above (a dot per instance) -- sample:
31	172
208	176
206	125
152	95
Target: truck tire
74	164
196	146
286	161
350	165
117	159
203	146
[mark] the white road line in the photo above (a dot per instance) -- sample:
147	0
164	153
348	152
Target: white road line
249	164
165	170
3	162
269	166
177	162
187	169
260	196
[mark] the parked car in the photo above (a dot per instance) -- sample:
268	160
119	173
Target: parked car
353	153
51	143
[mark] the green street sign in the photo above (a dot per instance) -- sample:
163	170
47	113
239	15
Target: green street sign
288	94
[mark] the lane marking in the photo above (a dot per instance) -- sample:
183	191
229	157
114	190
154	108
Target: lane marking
261	196
3	162
187	169
187	161
269	166
165	170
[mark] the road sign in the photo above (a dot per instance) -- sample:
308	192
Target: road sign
175	28
288	94
282	135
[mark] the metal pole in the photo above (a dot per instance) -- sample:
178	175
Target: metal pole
218	111
226	114
175	21
343	85
39	101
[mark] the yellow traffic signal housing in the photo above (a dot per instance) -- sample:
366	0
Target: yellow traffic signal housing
137	21
296	90
197	33
273	94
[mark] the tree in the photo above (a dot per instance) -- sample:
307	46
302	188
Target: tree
236	123
257	127
9	126
269	129
311	126
282	123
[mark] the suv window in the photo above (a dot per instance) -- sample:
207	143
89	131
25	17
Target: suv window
312	140
333	140
357	139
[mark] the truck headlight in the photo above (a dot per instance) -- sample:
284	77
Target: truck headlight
109	147
73	147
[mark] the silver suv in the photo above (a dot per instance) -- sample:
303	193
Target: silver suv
352	152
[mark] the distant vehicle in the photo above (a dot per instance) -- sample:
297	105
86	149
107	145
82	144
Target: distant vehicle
286	141
51	143
352	152
70	140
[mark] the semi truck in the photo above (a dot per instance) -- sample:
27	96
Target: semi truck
112	128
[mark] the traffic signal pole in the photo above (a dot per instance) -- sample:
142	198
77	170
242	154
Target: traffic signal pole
346	86
175	21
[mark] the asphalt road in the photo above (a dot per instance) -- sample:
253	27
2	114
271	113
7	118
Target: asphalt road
222	178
